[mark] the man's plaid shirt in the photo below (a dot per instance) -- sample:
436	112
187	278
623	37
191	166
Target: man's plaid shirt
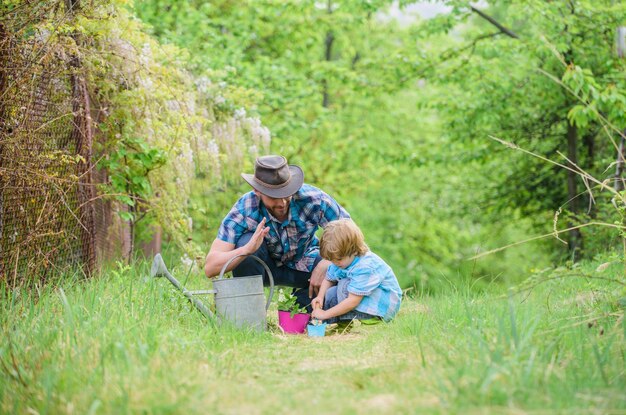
293	242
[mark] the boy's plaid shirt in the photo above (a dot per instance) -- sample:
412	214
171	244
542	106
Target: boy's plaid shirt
293	242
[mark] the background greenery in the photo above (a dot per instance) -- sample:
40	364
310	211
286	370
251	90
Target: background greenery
394	119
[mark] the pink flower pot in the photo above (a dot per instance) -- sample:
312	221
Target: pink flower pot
295	324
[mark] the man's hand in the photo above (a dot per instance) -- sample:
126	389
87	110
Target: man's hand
222	252
317	277
257	238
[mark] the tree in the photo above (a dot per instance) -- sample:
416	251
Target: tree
509	87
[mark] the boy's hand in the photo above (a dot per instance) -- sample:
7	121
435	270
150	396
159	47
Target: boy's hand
319	314
317	302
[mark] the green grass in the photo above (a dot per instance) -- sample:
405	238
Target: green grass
125	343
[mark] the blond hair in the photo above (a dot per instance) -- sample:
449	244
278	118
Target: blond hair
342	238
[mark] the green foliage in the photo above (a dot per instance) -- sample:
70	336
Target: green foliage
128	167
601	105
390	119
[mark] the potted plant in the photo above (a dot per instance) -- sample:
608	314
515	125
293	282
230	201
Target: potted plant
292	318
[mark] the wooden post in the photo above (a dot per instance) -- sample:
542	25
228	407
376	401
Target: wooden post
4	59
83	134
328	48
620	43
575	237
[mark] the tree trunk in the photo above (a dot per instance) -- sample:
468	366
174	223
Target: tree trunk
328	49
330	38
575	237
4	63
589	141
618	185
619	164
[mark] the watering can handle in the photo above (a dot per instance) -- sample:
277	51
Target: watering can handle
269	274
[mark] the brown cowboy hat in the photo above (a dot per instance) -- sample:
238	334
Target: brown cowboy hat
274	177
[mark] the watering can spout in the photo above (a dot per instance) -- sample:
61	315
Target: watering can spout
160	270
158	266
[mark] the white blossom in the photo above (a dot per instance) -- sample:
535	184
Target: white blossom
190	103
145	56
189	263
240	113
212	148
145	82
203	84
173	105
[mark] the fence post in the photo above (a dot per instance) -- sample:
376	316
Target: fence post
4	40
83	134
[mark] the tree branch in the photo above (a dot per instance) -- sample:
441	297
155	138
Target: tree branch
494	22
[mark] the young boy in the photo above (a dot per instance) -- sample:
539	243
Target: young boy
359	284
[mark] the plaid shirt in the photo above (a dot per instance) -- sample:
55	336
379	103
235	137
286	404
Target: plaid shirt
293	242
373	279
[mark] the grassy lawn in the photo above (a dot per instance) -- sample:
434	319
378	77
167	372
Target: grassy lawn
125	343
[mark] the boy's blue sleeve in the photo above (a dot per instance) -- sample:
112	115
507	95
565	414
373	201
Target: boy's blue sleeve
331	273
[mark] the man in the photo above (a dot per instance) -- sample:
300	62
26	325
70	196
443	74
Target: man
276	222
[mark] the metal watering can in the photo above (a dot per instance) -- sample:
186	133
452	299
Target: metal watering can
240	300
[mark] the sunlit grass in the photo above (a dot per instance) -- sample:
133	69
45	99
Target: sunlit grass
125	343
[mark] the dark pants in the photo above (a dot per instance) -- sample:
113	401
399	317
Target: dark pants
283	275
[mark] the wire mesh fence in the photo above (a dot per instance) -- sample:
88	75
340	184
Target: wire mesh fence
47	194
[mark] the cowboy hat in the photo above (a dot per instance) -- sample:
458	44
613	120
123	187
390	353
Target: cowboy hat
273	177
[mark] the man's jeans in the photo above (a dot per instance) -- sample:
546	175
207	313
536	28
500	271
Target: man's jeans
337	294
283	275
